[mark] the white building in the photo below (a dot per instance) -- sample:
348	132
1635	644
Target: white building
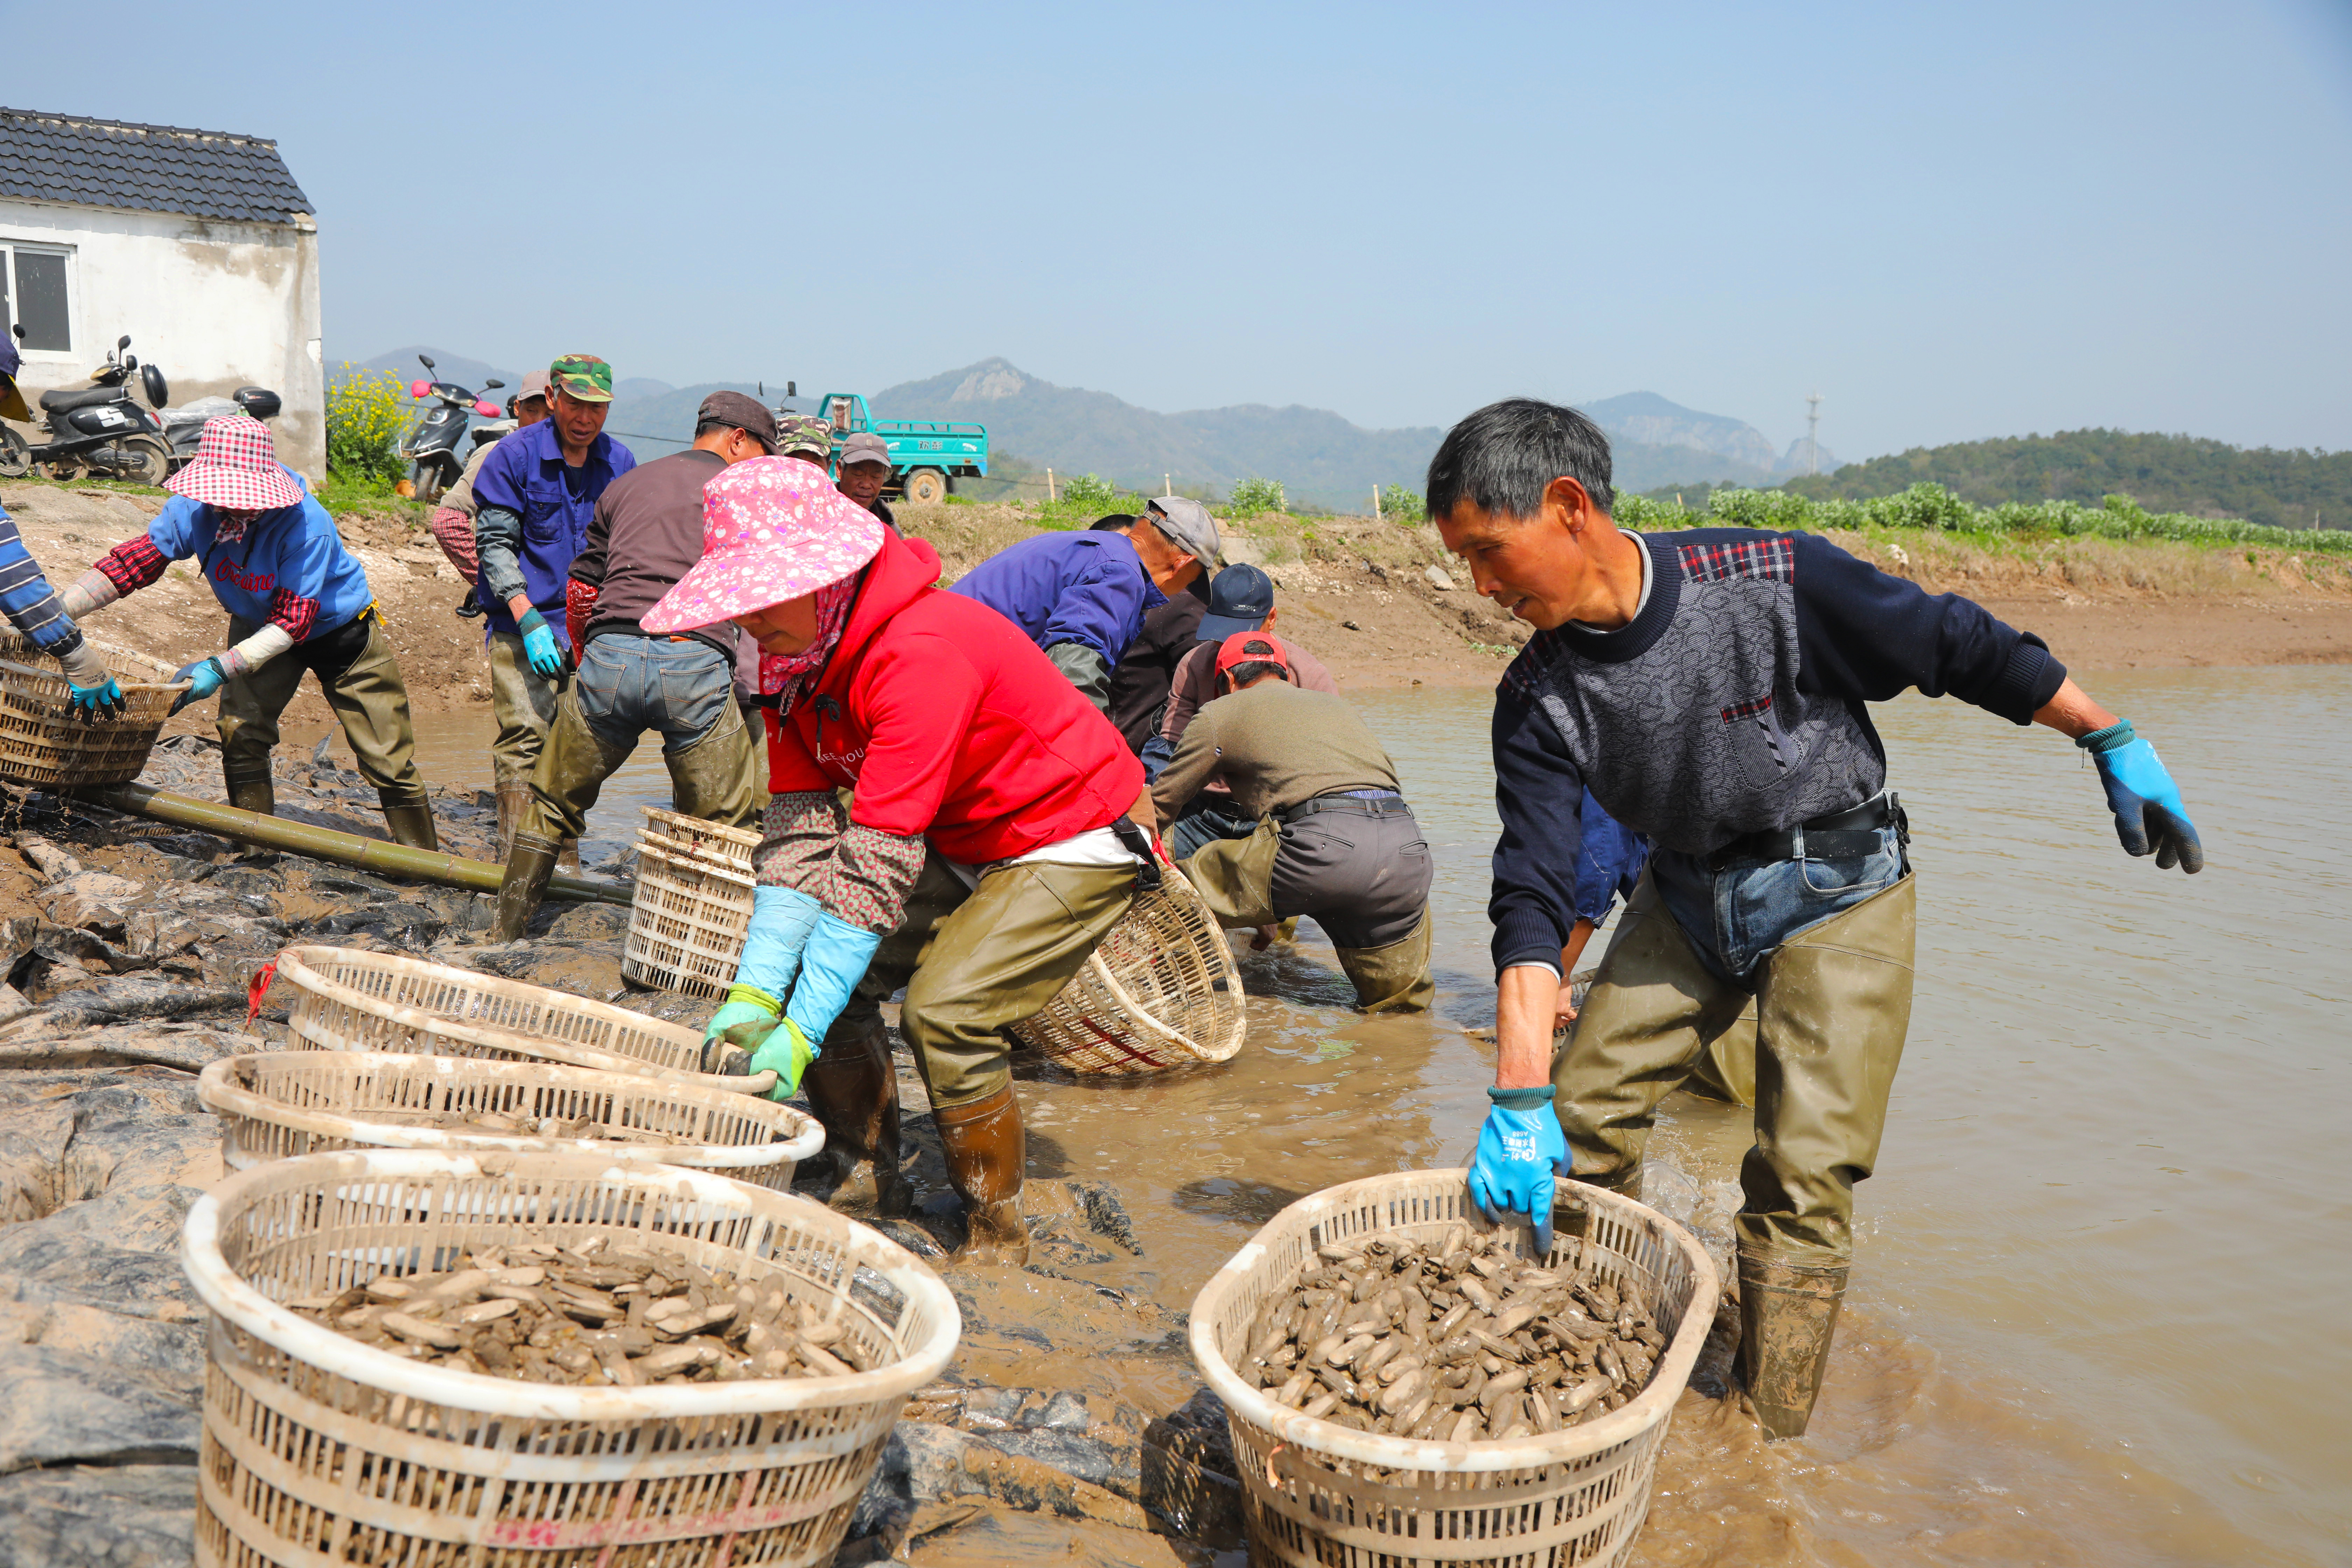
197	244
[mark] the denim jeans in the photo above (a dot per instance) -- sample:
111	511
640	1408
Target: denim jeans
1738	914
626	686
1206	818
630	685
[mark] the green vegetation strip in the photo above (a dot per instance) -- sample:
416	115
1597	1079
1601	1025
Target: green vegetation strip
1931	506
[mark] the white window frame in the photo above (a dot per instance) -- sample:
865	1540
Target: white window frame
72	353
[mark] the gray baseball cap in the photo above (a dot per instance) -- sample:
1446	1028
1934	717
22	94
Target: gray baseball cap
1188	522
865	447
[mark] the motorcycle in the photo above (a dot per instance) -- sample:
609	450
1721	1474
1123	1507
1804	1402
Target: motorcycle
101	431
183	426
432	445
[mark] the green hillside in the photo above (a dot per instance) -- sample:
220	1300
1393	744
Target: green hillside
2162	473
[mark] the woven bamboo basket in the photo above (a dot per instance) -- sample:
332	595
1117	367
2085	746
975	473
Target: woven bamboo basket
319	1451
41	741
279	1105
1161	992
348	1000
1316	1493
692	908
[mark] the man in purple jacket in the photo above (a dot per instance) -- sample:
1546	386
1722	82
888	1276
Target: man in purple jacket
1710	687
1081	597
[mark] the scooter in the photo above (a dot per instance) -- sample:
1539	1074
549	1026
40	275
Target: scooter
102	431
432	445
184	427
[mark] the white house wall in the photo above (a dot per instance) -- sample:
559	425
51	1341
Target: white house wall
215	305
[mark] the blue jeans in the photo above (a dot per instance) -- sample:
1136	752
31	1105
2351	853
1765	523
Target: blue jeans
1206	818
626	685
1737	915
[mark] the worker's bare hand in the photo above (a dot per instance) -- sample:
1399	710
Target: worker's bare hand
1263	938
1564	1010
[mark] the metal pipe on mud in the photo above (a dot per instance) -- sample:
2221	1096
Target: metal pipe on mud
327	844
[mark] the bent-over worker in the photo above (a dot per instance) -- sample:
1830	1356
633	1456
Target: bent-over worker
1334	837
1241	599
535	496
1708	687
296	600
987	846
1177	540
1080	597
29	602
646	535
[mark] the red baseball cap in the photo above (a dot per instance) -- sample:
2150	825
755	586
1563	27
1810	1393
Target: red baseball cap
1252	648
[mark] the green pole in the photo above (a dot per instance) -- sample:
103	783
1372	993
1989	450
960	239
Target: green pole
343	848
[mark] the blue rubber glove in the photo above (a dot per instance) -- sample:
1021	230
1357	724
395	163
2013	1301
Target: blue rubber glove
781	918
539	645
1521	1152
830	967
205	676
92	704
2146	803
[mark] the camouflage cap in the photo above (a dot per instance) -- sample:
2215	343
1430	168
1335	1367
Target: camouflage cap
803	433
583	378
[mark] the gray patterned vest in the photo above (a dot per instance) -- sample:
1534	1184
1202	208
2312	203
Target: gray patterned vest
1687	724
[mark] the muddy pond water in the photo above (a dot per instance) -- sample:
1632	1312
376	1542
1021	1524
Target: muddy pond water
2098	1314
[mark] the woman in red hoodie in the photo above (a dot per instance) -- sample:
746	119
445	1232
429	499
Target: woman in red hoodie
988	844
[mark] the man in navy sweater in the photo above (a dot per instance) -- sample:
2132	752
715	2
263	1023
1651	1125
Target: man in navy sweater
1710	687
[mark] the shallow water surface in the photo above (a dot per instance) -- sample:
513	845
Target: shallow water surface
2098	1311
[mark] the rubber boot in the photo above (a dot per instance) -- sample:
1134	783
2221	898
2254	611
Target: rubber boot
987	1153
409	821
1788	1315
529	866
253	793
514	805
852	1091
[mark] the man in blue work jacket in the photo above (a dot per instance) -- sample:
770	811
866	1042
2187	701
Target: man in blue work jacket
1080	596
536	494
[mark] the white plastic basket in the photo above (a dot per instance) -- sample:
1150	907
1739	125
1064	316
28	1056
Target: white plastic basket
278	1105
320	1450
349	1000
692	907
1318	1493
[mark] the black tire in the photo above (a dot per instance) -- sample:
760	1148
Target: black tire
15	457
143	461
927	486
431	479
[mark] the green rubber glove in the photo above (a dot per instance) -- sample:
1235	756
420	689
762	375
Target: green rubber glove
737	1028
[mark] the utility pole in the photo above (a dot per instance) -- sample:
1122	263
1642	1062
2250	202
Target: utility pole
1813	433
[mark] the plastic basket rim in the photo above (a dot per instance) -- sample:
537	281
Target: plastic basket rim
1653	1405
293	966
747	837
652	845
228	1297
218	1089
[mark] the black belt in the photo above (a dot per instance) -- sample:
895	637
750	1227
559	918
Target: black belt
1848	835
1385	804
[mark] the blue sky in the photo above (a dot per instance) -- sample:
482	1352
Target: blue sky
1952	221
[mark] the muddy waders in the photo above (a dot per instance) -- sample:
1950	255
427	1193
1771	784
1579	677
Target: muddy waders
975	961
1834	1004
361	681
682	689
854	1092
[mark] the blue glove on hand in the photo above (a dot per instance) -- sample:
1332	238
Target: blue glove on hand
831	966
781	918
539	645
2146	803
205	676
103	700
1521	1151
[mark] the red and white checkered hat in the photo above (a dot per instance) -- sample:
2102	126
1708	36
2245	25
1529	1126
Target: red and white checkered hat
236	468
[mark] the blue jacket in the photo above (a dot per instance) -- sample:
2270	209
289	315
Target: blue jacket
1084	588
524	475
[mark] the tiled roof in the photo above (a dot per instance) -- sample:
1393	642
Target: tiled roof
155	168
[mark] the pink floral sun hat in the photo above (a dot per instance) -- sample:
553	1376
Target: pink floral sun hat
772	529
236	468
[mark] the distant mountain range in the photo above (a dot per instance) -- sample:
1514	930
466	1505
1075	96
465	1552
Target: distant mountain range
1321	458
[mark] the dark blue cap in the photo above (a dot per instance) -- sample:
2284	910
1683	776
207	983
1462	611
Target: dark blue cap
11	361
1239	599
